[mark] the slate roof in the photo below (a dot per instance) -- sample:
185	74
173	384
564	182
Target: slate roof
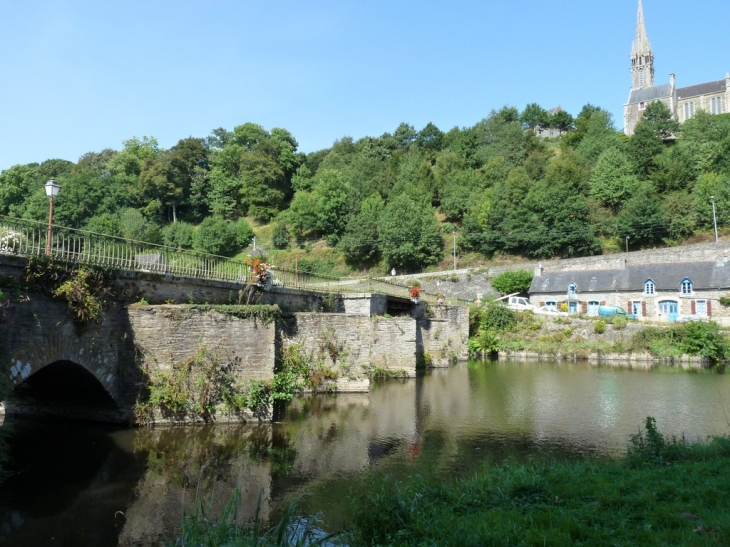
666	276
649	94
701	89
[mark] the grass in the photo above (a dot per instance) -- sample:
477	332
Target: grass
645	499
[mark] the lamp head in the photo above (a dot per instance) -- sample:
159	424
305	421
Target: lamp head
52	188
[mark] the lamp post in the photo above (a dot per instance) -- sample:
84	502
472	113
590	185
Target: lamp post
52	189
454	249
714	217
627	244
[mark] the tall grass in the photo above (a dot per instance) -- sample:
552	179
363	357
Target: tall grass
666	492
292	530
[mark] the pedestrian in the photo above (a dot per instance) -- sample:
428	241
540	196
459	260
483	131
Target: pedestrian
392	273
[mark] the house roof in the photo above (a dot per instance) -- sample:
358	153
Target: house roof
701	89
649	93
666	276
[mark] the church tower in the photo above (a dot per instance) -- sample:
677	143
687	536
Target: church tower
642	58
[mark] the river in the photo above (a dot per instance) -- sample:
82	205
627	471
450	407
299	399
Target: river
88	485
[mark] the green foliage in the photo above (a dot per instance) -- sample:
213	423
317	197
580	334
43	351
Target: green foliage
725	301
599	327
205	529
280	237
513	281
703	338
498	317
178	234
619	322
84	289
218	236
378	373
409	235
586	501
262	312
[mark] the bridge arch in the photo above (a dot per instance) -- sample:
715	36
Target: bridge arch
65	390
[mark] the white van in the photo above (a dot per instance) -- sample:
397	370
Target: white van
519	303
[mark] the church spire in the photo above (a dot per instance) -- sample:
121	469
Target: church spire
642	58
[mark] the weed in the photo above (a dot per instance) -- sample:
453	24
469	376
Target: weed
599	327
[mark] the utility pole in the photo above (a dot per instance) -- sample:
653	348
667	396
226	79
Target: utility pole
714	217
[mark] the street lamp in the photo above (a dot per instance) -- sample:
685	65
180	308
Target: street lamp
714	217
627	244
52	188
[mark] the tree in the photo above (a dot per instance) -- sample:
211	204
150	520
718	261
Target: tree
561	120
642	218
409	235
214	237
513	281
613	181
534	117
645	144
359	243
659	118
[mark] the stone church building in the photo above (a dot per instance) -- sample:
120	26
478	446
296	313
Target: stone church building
683	102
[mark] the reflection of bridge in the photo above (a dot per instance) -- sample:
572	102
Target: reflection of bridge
29	239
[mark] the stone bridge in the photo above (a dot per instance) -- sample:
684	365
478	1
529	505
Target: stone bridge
95	371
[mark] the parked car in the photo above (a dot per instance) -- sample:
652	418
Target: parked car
549	310
687	317
611	311
520	303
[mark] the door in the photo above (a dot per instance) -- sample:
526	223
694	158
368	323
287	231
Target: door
573	307
593	308
669	308
701	308
636	309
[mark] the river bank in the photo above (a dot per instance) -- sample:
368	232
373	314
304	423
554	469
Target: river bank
497	330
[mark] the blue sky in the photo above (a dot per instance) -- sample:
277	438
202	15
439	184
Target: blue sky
81	76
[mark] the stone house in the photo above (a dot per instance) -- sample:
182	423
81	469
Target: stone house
683	102
653	292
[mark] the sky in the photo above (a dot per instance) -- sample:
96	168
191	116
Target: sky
82	75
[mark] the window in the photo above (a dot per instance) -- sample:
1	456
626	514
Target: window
571	289
551	304
701	308
686	287
641	79
649	288
642	106
593	307
689	110
716	104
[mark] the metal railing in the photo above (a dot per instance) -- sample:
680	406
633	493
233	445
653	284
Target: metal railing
29	238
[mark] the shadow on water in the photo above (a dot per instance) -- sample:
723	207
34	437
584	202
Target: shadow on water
72	480
68	481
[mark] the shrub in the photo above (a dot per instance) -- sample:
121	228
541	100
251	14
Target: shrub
215	237
725	301
178	234
241	232
498	318
513	281
599	327
706	340
619	322
281	236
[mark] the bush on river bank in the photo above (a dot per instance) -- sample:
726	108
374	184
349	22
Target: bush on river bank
494	328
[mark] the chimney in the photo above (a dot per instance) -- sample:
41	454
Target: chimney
538	269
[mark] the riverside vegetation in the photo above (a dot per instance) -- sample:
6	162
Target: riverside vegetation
494	328
665	491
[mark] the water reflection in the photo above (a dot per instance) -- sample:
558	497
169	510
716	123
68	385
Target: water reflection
81	485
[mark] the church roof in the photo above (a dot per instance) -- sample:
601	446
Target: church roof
701	89
649	93
666	276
